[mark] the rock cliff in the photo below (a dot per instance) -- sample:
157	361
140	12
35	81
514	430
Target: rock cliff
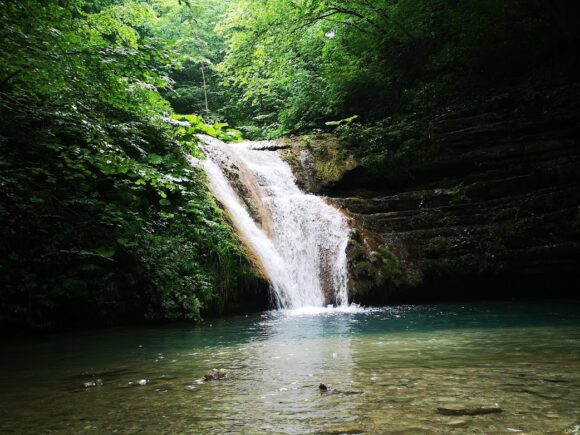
493	211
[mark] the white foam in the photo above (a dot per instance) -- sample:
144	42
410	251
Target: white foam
305	254
316	311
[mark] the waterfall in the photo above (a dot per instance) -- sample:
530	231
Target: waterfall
299	239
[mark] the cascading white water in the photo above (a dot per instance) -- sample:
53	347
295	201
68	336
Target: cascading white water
301	240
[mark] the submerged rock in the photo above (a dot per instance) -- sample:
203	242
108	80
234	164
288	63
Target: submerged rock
463	409
324	389
343	429
215	375
93	384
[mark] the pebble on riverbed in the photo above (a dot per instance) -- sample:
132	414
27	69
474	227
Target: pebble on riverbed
215	375
324	389
462	409
343	430
93	384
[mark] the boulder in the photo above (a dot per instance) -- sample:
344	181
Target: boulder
464	409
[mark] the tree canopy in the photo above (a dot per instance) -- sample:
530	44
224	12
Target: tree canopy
298	63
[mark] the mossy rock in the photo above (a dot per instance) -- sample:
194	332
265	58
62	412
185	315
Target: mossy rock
437	247
331	161
355	251
364	269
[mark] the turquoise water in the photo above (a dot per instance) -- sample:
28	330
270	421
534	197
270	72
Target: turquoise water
388	371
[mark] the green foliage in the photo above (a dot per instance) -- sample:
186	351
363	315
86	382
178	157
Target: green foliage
302	63
102	216
390	265
345	121
389	144
189	126
189	35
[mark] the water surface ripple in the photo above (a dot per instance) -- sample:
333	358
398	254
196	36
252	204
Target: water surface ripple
388	370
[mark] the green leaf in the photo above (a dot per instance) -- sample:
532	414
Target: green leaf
155	159
125	242
107	252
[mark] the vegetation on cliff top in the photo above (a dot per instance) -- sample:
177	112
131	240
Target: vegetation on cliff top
300	64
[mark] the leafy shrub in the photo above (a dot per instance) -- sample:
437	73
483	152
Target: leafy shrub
103	218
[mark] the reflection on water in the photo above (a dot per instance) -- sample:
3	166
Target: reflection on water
388	370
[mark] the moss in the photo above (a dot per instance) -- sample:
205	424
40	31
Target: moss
332	164
363	269
458	195
437	246
331	159
391	266
355	251
390	144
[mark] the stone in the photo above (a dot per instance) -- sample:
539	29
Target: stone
343	429
215	375
324	389
93	384
463	409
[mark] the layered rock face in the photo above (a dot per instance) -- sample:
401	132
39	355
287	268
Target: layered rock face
495	212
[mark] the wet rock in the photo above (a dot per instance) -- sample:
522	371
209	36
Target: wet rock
215	375
93	384
463	409
267	145
490	212
343	429
556	380
139	383
324	389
